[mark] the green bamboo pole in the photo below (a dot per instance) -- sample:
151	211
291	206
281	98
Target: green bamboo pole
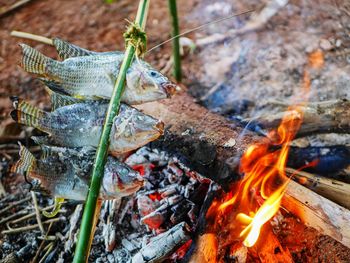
85	235
176	45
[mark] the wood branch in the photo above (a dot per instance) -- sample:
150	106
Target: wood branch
318	212
322	117
334	190
208	143
213	146
6	10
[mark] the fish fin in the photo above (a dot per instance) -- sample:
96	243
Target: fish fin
27	114
59	100
33	61
57	206
67	50
26	161
54	86
41	140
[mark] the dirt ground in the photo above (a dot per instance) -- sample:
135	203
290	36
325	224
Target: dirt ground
249	69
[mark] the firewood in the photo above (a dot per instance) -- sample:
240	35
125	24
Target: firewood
318	212
269	249
334	190
206	249
321	117
163	245
211	145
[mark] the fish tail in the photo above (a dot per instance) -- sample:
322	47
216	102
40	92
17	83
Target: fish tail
27	114
33	61
25	163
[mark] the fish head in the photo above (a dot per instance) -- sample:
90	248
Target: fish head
146	84
120	180
133	129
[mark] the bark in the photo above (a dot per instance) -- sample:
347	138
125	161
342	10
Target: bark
322	117
206	142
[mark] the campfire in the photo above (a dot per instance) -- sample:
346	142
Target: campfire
245	160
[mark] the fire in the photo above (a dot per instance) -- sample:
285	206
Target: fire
257	198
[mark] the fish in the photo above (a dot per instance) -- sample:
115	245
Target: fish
65	173
93	76
80	124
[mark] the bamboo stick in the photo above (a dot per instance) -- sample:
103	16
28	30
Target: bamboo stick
30	36
176	44
83	244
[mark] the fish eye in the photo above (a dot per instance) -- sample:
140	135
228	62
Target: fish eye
153	73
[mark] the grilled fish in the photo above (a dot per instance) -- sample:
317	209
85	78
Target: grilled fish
93	76
80	124
65	173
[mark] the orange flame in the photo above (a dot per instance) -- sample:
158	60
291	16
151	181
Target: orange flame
262	169
257	197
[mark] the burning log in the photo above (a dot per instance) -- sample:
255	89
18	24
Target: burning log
163	245
211	145
318	212
337	191
269	248
321	117
206	250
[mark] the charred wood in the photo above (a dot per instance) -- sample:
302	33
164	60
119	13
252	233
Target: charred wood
327	160
204	141
163	245
321	117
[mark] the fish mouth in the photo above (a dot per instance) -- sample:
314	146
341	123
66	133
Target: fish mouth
160	127
169	88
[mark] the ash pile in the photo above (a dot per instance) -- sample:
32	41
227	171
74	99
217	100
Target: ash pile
158	221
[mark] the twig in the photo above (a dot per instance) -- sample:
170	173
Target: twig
6	10
83	244
21	212
30	227
42	244
30	36
49	248
37	212
176	44
14	204
31	215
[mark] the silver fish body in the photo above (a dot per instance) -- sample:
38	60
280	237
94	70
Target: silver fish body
65	173
94	76
80	124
